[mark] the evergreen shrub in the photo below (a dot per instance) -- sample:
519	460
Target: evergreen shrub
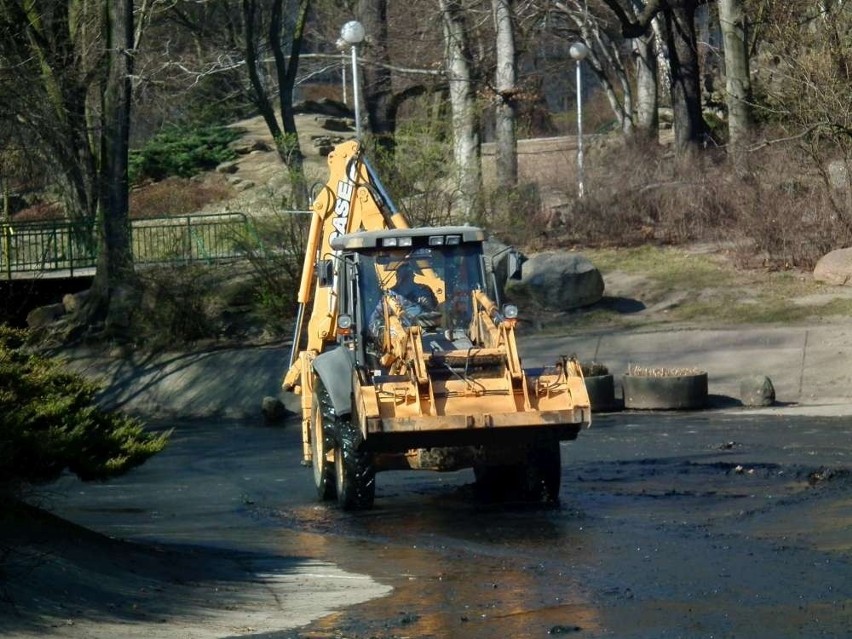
50	422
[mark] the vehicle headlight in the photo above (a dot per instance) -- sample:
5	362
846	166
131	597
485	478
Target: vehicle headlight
344	324
510	311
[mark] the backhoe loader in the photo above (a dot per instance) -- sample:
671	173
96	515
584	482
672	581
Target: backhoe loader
408	360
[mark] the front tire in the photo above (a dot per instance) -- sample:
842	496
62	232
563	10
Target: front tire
355	475
321	438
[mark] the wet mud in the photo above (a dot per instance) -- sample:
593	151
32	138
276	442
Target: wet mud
680	525
709	524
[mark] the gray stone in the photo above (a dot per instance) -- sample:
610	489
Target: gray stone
757	390
838	175
273	410
835	268
228	167
249	146
42	316
324	106
74	301
324	144
334	124
559	281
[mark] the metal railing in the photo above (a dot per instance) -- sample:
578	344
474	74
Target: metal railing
32	247
192	238
47	246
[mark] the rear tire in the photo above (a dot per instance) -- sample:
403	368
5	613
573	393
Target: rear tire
542	476
355	475
538	480
494	483
321	439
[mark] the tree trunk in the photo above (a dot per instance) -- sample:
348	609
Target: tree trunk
507	146
647	96
737	78
289	146
286	138
678	29
114	292
689	125
378	88
466	145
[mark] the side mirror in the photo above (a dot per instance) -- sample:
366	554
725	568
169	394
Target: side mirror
325	272
513	265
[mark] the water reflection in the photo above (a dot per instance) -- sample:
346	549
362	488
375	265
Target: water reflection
458	568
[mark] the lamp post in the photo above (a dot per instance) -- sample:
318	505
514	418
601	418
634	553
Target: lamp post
579	51
352	34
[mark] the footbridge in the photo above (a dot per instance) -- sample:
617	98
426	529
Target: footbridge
69	249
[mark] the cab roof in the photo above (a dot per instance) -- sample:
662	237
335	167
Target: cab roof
425	236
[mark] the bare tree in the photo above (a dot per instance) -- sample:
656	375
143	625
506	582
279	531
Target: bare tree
378	86
54	67
69	70
505	89
737	78
465	125
258	43
285	135
635	108
678	19
113	290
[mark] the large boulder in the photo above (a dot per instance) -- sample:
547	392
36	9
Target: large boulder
835	268
43	316
324	106
559	281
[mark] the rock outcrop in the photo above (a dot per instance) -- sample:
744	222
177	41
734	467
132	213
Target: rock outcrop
835	268
558	281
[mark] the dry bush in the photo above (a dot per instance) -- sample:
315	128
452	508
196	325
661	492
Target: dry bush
641	193
177	305
787	214
276	264
783	215
41	212
516	216
175	196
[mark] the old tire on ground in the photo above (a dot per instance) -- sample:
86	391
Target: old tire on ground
322	429
673	392
601	389
355	475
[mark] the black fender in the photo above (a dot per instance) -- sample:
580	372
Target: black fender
334	368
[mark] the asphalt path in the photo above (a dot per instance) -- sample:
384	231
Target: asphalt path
712	523
723	523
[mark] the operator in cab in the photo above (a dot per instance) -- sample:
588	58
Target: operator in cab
413	298
413	293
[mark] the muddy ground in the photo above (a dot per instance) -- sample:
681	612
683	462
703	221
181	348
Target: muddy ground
710	524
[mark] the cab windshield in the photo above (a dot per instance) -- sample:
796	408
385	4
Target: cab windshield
445	276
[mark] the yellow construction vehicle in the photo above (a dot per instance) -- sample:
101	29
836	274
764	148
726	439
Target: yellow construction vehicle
409	361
